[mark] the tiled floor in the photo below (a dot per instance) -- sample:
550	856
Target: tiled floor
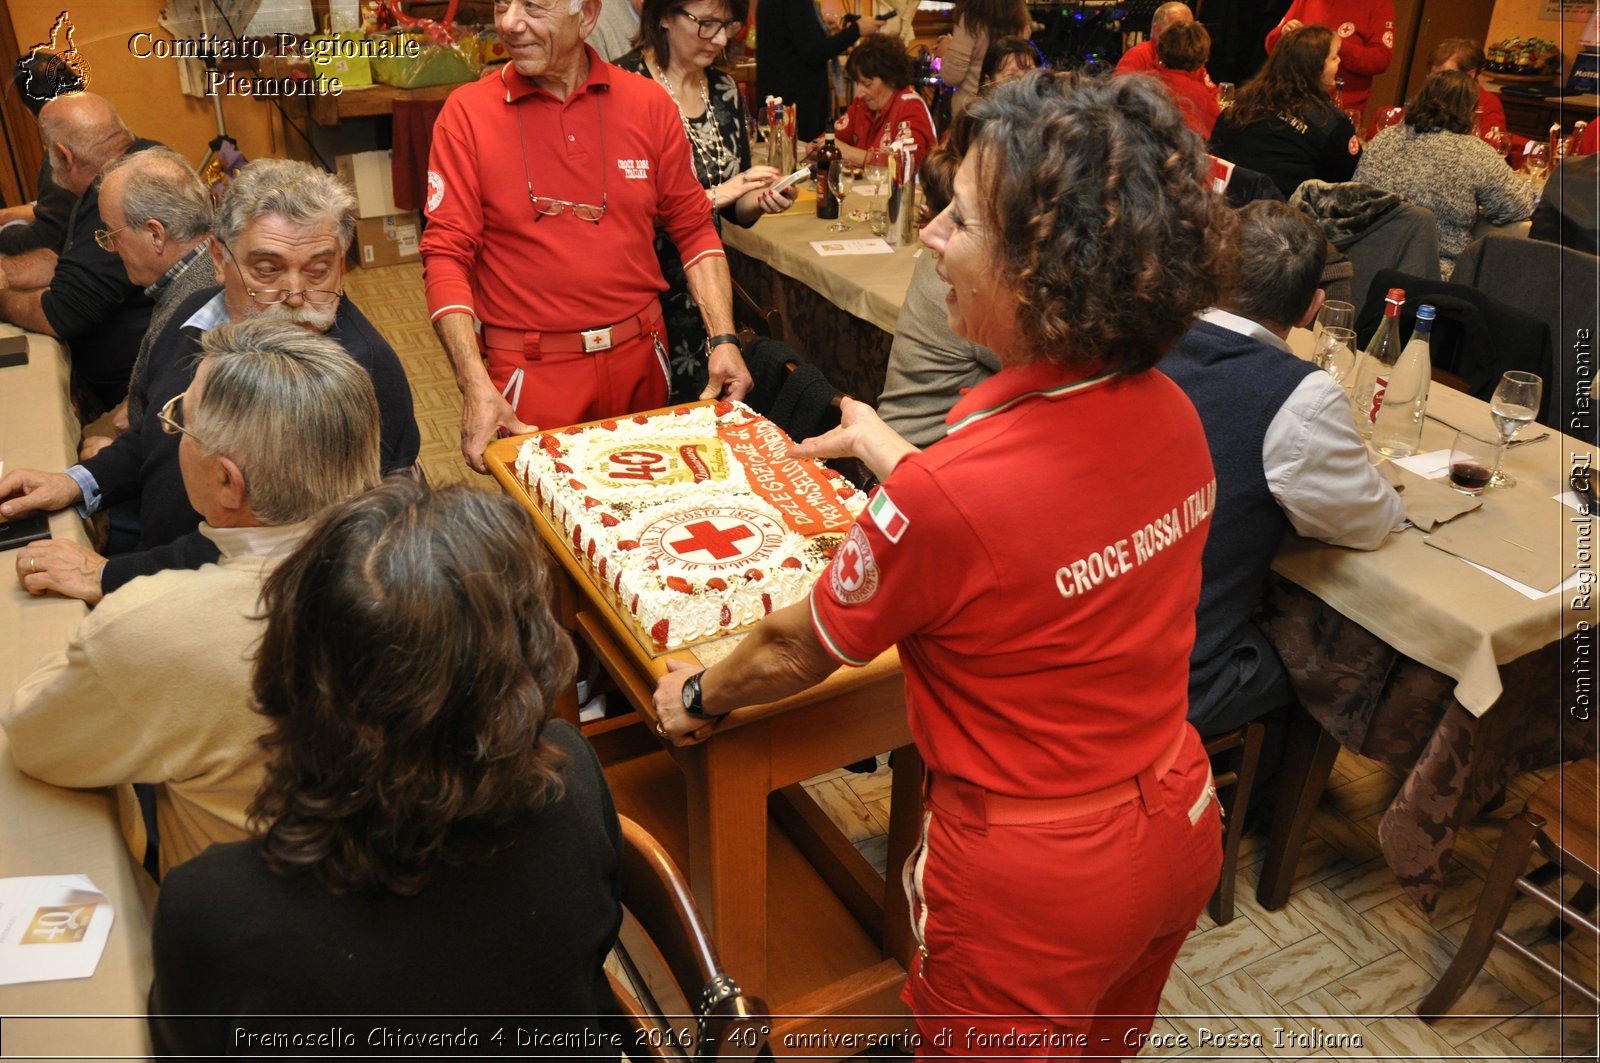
1334	974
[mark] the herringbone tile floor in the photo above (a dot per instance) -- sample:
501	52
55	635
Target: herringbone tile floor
1348	958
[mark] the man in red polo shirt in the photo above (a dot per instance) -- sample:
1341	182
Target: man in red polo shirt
544	187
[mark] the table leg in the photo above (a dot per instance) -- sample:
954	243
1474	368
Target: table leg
728	782
1307	762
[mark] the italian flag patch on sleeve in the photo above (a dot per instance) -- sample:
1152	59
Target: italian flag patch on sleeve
887	516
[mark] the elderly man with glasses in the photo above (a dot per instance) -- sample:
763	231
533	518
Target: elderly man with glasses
157	214
80	292
545	185
277	424
281	234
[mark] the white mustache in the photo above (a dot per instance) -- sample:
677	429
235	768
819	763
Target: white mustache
318	318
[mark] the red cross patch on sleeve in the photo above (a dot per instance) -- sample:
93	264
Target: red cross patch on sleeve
853	576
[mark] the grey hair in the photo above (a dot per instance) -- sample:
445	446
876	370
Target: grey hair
293	411
1166	14
295	191
161	184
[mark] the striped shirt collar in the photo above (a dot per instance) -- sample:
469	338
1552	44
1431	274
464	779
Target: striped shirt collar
178	267
1017	384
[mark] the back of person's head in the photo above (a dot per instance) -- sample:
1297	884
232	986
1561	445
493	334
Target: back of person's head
293	410
1446	101
1169	14
883	57
295	191
1184	46
87	125
1280	259
159	184
1291	80
41	77
1015	53
997	18
1095	200
1457	53
408	669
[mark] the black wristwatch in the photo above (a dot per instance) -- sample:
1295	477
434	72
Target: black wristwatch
717	341
692	701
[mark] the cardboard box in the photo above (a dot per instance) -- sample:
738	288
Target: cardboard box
390	240
370	174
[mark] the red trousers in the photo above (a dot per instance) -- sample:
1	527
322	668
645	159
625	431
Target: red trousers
550	389
1056	939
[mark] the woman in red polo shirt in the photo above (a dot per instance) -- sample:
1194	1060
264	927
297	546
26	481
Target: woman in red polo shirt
1038	570
886	107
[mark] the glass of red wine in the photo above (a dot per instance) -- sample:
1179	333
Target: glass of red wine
1473	460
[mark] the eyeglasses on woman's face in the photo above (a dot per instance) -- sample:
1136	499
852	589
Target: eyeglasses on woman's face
710	27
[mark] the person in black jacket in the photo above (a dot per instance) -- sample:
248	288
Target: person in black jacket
40	78
281	235
792	52
1284	123
431	842
81	295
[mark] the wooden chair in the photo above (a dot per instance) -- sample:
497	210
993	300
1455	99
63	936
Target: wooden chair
1560	822
726	1024
1235	756
753	319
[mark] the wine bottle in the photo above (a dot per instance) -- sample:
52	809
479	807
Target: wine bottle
1382	353
827	200
1397	432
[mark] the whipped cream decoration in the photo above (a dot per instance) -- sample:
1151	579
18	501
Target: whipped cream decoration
695	520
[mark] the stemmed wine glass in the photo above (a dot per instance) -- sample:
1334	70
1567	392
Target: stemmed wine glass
1514	404
1333	347
875	172
838	184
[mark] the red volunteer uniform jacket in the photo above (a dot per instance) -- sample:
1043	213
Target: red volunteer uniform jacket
906	112
617	139
1039	569
1366	28
1195	99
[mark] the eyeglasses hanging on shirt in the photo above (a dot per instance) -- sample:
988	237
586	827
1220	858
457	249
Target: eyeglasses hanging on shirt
544	206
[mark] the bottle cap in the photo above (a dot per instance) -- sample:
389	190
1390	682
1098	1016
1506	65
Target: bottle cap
1397	295
1425	312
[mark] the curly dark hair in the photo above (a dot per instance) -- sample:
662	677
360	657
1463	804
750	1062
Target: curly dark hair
1291	81
1025	51
1184	46
1103	221
653	34
408	668
881	57
1444	102
998	18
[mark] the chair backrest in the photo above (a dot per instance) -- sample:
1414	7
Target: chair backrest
1376	230
1475	337
1561	287
728	1024
759	320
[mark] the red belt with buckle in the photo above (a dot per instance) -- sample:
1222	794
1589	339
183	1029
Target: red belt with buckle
1004	810
589	341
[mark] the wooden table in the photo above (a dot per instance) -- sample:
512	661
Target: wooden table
840	310
46	830
816	932
1409	655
